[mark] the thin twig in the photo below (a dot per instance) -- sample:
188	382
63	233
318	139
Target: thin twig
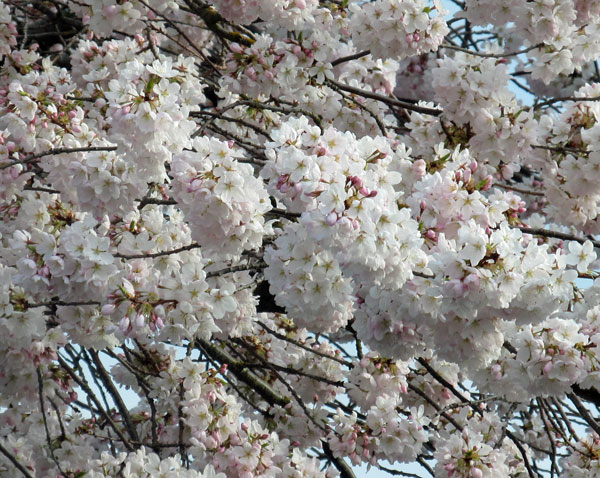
33	157
15	462
386	99
556	235
355	56
491	55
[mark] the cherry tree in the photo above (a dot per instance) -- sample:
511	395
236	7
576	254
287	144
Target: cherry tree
286	238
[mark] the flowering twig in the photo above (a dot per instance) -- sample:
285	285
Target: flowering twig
84	386
519	190
304	347
564	98
491	55
33	157
15	462
386	99
556	235
258	385
45	420
355	56
158	254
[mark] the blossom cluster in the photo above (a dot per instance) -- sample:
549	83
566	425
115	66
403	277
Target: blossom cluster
289	14
397	28
344	190
569	164
220	197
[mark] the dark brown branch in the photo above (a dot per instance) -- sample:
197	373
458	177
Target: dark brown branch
355	56
339	463
304	347
45	420
556	235
158	254
259	386
33	157
291	371
386	99
114	393
15	462
564	98
94	399
491	55
61	303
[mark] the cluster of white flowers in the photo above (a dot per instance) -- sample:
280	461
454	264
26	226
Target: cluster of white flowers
289	14
144	464
383	435
344	189
570	163
479	451
8	31
567	30
238	449
148	112
222	200
397	28
104	17
307	280
585	459
76	263
474	91
272	67
297	70
373	376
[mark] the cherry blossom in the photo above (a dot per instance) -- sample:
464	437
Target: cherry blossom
290	238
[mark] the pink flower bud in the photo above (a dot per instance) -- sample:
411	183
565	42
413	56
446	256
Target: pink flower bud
128	289
496	371
331	219
124	324
236	48
488	183
140	321
472	282
466	175
476	473
109	10
356	181
108	309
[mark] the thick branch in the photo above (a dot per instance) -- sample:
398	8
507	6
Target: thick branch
258	385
